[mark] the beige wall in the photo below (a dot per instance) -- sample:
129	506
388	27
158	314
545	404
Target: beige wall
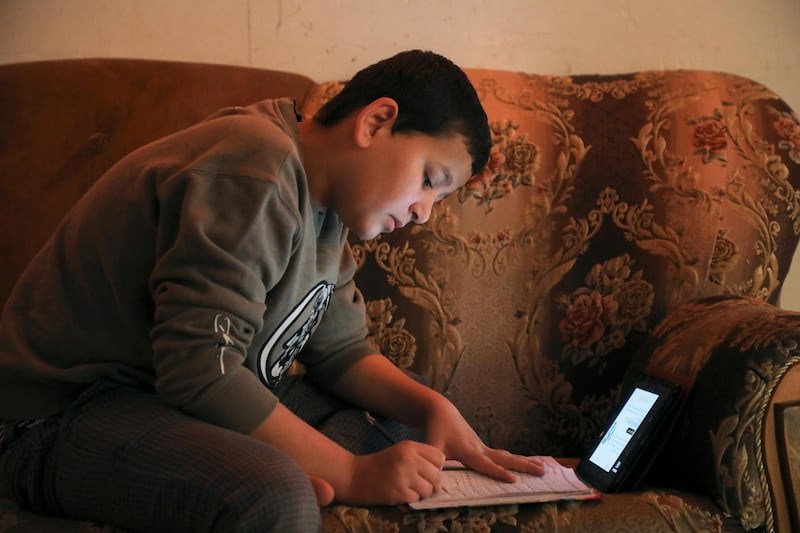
331	39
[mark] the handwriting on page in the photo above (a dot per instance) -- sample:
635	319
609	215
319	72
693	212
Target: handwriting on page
469	484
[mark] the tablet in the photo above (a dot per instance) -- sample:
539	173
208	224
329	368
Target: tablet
623	444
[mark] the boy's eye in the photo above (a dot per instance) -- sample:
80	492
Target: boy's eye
426	181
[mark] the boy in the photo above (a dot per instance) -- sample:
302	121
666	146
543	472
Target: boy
143	351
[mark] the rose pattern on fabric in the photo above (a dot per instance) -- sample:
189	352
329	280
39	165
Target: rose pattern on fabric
726	254
789	130
599	316
390	337
709	139
587	318
513	163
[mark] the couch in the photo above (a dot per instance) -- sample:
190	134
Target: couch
635	221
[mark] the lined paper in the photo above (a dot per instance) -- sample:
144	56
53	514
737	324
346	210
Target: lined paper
462	487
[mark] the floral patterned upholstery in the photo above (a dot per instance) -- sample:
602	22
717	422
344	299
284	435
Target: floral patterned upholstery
614	202
634	221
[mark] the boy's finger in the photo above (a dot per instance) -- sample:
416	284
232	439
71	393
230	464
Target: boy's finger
433	477
529	465
432	454
486	465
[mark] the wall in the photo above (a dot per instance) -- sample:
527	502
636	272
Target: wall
330	39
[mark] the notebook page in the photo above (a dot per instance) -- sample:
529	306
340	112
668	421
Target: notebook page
462	487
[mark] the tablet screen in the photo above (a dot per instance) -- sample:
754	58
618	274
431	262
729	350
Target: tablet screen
622	429
626	437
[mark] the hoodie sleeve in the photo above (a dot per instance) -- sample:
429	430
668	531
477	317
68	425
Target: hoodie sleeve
209	290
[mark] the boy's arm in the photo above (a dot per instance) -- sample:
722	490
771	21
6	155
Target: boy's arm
377	384
403	473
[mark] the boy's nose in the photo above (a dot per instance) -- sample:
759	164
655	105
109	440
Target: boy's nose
420	212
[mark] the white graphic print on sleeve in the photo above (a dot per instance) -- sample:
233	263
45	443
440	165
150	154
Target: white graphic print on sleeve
222	326
292	333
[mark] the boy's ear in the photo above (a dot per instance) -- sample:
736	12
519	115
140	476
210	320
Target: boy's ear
375	116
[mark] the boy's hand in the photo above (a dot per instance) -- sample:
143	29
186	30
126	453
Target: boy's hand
448	431
322	489
499	463
403	473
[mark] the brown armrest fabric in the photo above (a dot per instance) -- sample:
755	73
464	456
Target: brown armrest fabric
738	350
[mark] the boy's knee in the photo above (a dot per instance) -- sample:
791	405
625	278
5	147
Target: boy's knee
280	499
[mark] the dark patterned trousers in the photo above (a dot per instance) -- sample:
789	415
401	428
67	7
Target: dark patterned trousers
120	456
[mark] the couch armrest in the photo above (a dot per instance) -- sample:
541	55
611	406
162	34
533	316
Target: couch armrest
743	357
783	454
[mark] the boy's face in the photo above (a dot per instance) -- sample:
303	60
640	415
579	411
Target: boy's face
397	179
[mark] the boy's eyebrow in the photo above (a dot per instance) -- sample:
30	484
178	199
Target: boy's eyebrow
448	178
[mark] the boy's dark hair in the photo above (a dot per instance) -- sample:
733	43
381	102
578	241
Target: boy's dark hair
434	97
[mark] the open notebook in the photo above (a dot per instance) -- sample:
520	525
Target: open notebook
462	487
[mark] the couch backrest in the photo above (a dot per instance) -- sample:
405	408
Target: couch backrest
620	198
65	122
